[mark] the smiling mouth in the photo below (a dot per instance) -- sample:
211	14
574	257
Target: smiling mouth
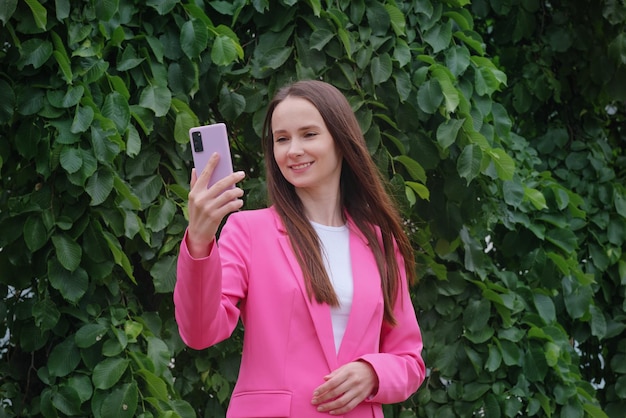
300	166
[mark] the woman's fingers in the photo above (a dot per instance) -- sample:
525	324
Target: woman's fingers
207	207
205	175
345	388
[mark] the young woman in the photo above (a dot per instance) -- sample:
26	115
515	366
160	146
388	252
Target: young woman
319	279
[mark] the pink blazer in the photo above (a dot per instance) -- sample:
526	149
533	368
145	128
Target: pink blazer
288	341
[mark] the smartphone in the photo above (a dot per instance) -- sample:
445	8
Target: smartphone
205	140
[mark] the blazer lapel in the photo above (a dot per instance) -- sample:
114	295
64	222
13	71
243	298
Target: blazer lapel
320	313
367	295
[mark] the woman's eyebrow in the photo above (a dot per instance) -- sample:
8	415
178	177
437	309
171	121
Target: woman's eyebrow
302	128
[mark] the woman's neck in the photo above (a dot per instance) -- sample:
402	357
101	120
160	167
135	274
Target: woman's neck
324	210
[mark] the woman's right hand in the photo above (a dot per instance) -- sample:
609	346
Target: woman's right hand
207	207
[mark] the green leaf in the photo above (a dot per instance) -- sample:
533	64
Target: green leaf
439	36
494	360
62	9
155	385
472	40
535	366
108	372
398	24
594	410
469	162
231	104
429	96
60	55
501	120
565	239
477	314
545	307
381	68
159	353
163	274
89	334
225	50
598	322
577	300
505	165
82	119
7	102
71	284
450	93
156	98
7	8
163	7
377	18
403	85
416	171
35	52
129	59
421	190
194	38
446	360
619	199
275	58
320	38
473	391
99	186
71	159
121	259
124	190
410	196
35	233
72	97
132	329
511	353
63	358
457	59
117	109
402	53
66	400
447	132
133	141
68	251
316	5
40	14
535	197
460	20
121	402
161	215
106	9
46	314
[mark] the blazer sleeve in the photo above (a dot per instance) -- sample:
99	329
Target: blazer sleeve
209	290
399	364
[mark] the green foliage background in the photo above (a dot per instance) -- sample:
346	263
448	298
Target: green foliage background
499	123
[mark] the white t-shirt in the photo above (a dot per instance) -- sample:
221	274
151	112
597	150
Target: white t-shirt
336	255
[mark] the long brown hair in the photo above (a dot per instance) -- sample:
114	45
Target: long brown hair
363	197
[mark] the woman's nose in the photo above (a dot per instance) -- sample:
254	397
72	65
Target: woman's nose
295	148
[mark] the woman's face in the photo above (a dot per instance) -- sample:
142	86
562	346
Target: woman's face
304	150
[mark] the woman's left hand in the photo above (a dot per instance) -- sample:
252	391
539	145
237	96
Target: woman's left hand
345	388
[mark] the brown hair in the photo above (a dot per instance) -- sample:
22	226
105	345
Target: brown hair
363	197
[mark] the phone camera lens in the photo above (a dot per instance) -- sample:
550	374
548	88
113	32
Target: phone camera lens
197	141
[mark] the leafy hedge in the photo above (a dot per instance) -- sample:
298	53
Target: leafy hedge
517	213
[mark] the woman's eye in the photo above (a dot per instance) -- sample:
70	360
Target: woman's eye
280	139
310	134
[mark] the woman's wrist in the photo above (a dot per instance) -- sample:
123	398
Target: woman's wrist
199	248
